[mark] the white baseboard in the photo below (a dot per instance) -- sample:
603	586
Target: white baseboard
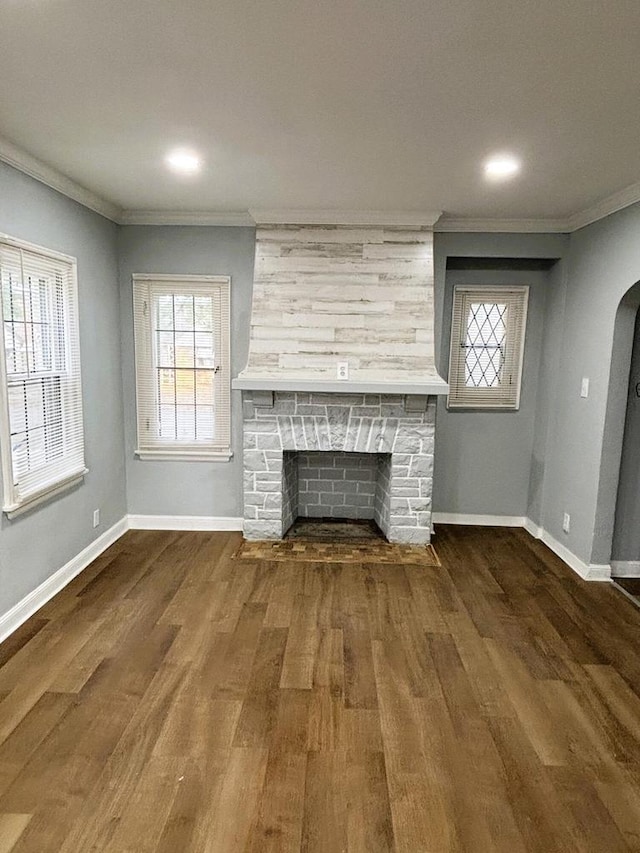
587	571
33	601
480	520
184	522
625	568
534	529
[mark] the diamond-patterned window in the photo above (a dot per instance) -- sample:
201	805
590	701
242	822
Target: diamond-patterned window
487	340
484	344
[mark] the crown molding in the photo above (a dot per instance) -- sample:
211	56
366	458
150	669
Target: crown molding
51	177
606	206
184	217
23	162
400	218
335	217
493	226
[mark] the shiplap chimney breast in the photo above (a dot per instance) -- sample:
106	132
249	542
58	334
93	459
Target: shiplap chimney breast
329	294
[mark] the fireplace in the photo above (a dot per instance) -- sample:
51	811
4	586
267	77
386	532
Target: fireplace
339	393
396	432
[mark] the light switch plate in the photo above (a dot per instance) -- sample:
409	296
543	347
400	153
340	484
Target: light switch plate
584	388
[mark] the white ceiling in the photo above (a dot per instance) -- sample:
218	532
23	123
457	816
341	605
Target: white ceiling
345	104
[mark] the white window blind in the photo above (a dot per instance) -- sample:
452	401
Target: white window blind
181	326
41	424
487	345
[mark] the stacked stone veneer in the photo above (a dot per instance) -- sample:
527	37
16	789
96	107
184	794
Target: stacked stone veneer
290	489
400	429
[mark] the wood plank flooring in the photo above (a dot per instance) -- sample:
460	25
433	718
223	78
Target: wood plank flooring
630	585
173	699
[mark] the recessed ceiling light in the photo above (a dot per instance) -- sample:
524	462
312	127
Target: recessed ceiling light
501	167
183	162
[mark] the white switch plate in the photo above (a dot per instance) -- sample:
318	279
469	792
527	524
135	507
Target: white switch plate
566	522
343	370
584	388
96	517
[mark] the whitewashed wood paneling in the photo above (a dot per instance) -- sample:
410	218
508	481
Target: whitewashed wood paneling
329	294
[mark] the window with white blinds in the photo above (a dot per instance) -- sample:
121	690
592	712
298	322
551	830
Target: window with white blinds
181	326
41	427
487	344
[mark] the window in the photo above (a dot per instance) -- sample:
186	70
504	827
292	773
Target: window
41	427
181	328
487	342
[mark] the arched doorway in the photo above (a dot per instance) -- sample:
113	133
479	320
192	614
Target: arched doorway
625	553
610	525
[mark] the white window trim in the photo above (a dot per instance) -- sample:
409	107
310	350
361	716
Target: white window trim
47	494
181	452
13	505
460	396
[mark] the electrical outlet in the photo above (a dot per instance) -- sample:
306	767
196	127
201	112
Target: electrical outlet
343	370
584	387
566	522
96	517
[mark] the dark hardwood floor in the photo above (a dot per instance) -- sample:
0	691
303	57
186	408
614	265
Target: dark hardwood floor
630	585
173	699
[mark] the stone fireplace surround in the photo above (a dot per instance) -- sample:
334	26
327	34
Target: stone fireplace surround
400	428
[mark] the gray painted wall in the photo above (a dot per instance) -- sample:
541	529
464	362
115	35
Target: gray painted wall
574	463
548	376
483	458
35	545
472	245
186	488
626	537
603	264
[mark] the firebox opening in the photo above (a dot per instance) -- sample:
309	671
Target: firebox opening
337	485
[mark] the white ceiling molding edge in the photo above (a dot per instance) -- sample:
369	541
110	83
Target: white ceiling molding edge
401	218
51	177
23	162
611	204
493	226
184	217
